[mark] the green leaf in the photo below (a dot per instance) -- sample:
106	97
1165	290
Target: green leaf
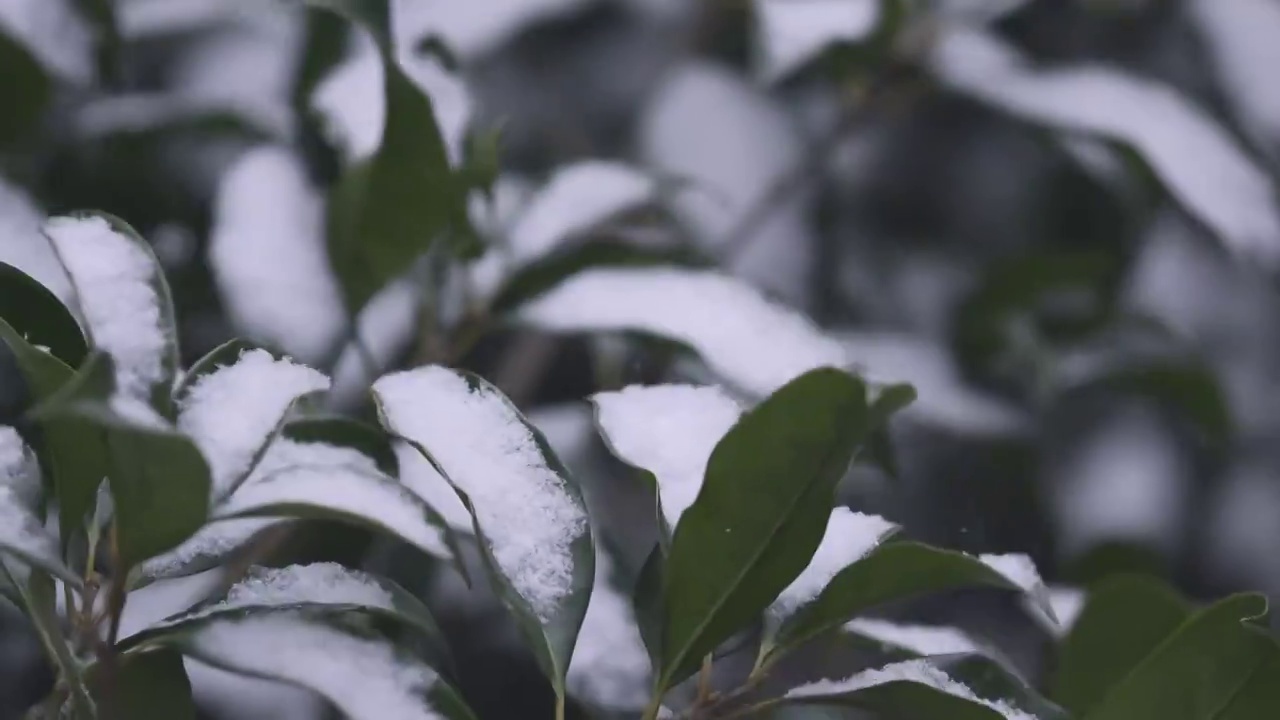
760	515
72	454
1122	621
388	210
309	646
541	275
888	401
150	685
955	687
159	480
893	572
1206	670
646	599
26	88
515	453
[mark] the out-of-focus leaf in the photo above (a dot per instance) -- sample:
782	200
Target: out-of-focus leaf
1215	666
150	685
760	515
796	34
1123	620
36	315
37	592
26	88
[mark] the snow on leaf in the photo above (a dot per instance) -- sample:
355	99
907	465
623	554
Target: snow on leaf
24	247
364	678
751	342
419	475
1198	162
849	537
352	106
794	32
521	504
387	327
267	254
206	548
1020	570
327	583
732	145
669	430
18	469
912	671
113	277
21	532
917	639
55	32
1240	36
610	666
575	199
1066	602
232	412
336	480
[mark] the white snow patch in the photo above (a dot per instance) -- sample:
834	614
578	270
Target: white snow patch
1240	35
19	470
420	476
210	543
669	430
1198	162
21	531
1067	603
914	671
849	537
732	144
475	27
112	277
327	583
365	679
481	443
338	479
139	413
576	199
232	412
351	101
751	342
610	666
24	247
55	33
793	32
267	254
387	326
918	639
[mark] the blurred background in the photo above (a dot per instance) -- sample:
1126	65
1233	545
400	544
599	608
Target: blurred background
1057	218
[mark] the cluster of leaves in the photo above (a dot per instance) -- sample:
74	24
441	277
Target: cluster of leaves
142	472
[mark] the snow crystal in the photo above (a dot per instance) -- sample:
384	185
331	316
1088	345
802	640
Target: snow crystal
610	666
232	412
576	199
1199	163
481	443
18	468
267	254
1018	568
112	277
849	537
210	543
916	671
919	639
750	341
669	430
339	479
793	32
365	679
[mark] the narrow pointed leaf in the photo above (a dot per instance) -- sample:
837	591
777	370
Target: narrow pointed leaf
894	572
527	510
760	514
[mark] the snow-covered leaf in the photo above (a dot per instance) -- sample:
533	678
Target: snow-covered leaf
364	675
848	538
55	32
669	431
316	480
237	407
792	33
1197	161
22	535
958	687
318	587
916	640
25	247
754	344
899	571
124	299
1240	36
527	510
476	27
267	254
732	145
